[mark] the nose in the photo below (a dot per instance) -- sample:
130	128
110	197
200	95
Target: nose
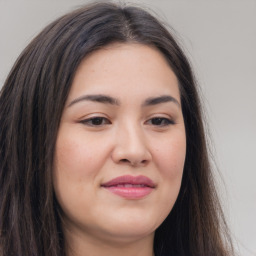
131	147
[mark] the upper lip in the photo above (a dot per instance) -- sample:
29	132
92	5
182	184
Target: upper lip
128	179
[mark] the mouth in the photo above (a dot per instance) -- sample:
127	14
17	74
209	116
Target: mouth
130	187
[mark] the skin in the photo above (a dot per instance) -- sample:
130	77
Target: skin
99	141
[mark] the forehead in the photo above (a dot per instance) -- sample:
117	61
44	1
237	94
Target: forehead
128	68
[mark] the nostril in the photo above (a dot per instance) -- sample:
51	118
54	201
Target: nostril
124	161
133	163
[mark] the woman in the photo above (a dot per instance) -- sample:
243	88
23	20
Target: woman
103	149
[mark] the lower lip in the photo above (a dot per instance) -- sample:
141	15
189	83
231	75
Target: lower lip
130	192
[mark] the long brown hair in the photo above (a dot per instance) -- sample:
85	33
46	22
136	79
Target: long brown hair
31	105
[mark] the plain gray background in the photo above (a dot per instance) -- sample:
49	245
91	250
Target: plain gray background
219	37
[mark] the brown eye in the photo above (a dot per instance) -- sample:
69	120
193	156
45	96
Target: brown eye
95	121
160	121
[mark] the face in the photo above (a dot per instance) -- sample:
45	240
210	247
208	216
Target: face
121	145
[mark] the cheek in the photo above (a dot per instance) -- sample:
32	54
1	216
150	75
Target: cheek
170	157
74	164
75	169
75	155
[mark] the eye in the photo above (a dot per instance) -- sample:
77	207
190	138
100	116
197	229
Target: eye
160	121
95	121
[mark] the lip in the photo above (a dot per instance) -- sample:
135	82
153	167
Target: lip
130	187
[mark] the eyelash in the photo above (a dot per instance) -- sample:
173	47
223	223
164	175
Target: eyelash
161	121
100	121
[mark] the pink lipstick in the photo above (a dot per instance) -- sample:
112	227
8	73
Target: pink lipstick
130	187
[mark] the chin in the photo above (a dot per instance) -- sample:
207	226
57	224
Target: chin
132	227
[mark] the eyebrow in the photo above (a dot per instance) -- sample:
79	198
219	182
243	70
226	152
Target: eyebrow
159	100
96	98
101	98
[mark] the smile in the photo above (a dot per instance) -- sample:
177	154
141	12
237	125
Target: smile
130	187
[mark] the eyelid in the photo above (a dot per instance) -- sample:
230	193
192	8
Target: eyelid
168	120
88	121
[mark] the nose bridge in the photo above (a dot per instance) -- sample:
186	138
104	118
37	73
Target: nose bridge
131	144
133	137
